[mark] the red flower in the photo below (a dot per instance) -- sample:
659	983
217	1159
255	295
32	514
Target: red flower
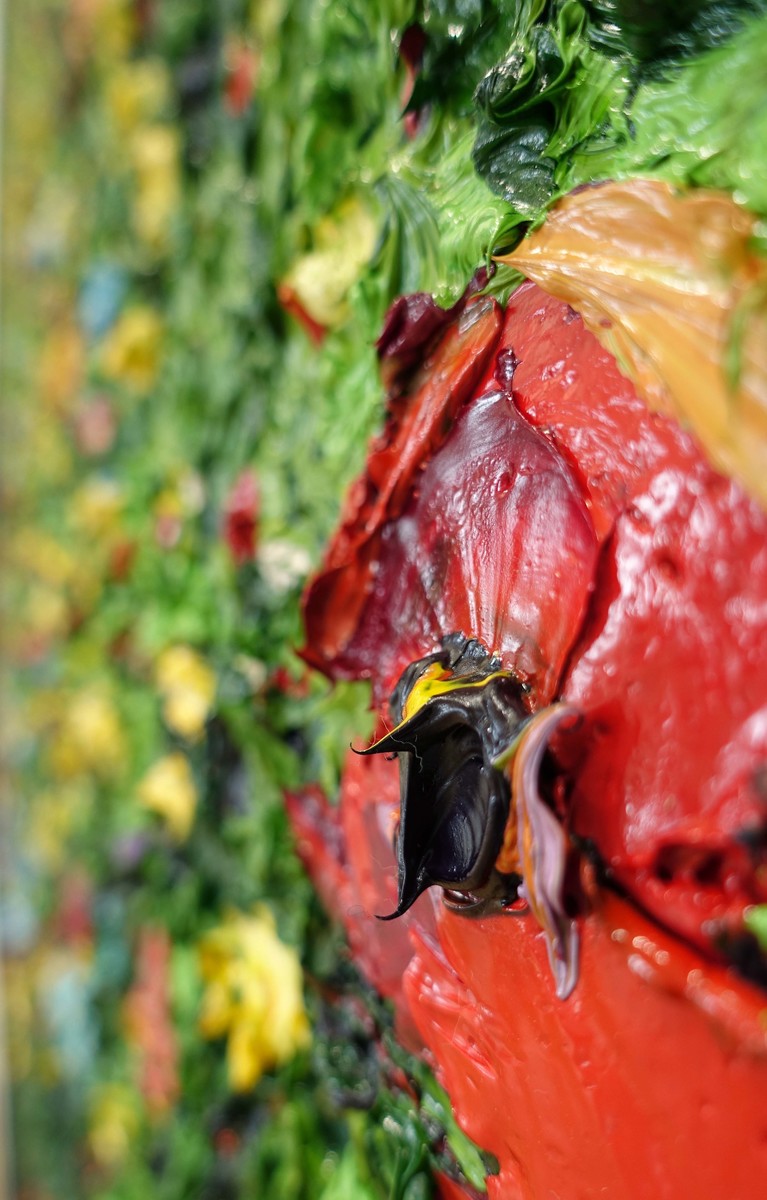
241	77
149	1022
523	495
588	543
411	49
241	517
290	302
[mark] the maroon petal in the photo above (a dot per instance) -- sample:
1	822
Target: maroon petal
335	600
496	541
543	848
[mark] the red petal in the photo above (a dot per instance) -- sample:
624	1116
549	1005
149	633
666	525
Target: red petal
579	1090
670	672
241	517
604	557
348	853
290	302
334	602
671	681
497	544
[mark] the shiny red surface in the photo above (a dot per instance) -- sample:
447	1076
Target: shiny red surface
241	514
629	1089
671	668
347	850
591	543
335	602
448	1189
647	1084
497	541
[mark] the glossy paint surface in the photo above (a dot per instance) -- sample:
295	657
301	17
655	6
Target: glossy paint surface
670	671
589	541
648	1082
415	428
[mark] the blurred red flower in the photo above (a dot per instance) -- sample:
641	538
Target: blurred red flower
149	1022
241	513
242	65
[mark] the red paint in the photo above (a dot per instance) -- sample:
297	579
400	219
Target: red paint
241	512
498	507
625	1090
670	671
291	304
411	50
416	427
149	1022
241	77
655	1048
448	1189
347	851
589	540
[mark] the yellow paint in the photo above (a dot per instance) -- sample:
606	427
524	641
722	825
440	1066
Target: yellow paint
670	284
436	680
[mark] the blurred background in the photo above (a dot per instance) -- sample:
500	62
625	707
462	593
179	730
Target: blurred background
189	382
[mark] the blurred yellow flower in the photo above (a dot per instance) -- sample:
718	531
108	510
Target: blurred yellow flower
34	552
155	152
50	452
114	29
112	1124
265	17
168	789
169	504
53	816
95	507
253	994
320	280
187	686
61	367
136	91
18	997
45	616
130	353
89	737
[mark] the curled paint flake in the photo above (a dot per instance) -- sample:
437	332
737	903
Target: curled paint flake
543	847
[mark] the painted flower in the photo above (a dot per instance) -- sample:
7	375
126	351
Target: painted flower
155	157
241	511
113	1123
168	789
187	686
95	427
109	26
35	552
525	506
130	353
149	1021
182	496
54	814
316	287
61	367
96	507
168	513
242	67
89	737
137	91
523	499
253	996
45	619
283	564
46	569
